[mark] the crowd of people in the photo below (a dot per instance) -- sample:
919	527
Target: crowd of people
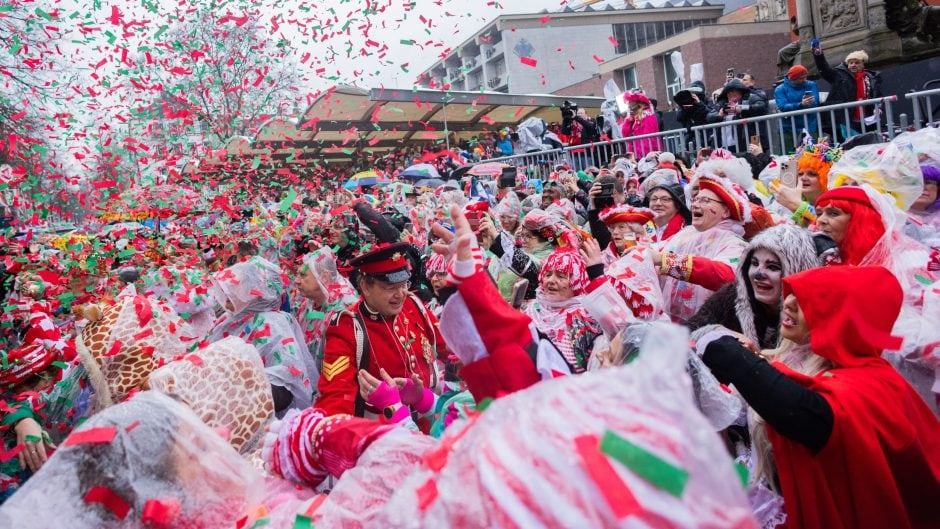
729	341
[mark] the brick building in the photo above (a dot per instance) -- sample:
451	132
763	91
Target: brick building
735	41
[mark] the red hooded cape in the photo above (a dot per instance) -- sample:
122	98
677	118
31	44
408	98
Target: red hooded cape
881	466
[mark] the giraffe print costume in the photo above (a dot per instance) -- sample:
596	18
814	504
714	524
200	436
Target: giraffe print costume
124	341
225	384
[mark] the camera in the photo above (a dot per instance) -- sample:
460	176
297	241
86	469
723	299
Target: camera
568	110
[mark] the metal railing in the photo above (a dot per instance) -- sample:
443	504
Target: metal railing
539	164
780	133
923	105
783	132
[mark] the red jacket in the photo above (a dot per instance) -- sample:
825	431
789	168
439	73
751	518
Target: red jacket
409	335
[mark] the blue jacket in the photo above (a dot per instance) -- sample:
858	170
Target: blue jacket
504	147
789	96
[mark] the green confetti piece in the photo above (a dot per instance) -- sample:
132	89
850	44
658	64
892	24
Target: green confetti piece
923	280
33	439
742	473
261	523
127	253
484	404
659	472
60	364
288	201
303	522
407	42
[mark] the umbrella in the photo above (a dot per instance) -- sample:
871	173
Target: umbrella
419	171
487	169
433	183
366	178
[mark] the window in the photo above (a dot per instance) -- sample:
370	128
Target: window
633	36
629	78
673	78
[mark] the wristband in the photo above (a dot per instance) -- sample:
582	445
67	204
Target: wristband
798	214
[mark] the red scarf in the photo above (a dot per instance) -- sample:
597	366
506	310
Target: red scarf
861	93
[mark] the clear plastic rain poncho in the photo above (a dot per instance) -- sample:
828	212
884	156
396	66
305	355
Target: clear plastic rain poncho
225	385
184	289
889	168
148	462
340	294
252	293
619	447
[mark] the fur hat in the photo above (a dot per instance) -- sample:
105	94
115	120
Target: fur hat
796	251
857	55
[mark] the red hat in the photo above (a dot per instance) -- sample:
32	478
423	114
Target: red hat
24	363
797	71
637	95
386	262
850	311
624	213
729	193
847	193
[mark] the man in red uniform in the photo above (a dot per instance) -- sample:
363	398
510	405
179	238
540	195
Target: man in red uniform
388	328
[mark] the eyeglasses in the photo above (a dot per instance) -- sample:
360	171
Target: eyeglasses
700	198
660	200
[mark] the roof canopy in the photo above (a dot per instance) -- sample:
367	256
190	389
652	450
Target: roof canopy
348	121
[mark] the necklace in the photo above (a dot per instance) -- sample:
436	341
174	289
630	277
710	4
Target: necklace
407	359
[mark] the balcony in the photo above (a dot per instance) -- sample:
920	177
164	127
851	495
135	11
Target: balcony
470	63
494	82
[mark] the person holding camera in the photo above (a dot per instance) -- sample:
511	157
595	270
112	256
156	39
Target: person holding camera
577	129
736	102
693	106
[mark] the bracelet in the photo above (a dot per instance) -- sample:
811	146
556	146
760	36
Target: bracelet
677	266
798	214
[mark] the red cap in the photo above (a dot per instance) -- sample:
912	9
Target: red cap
614	215
797	71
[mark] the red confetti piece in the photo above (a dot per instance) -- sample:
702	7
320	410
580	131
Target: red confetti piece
115	348
196	360
109	500
528	61
598	59
143	334
616	493
161	513
427	493
131	426
101	435
6	455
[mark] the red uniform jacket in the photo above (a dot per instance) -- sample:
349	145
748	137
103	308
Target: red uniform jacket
408	338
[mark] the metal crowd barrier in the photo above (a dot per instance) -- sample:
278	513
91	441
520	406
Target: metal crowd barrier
540	164
923	104
780	133
783	132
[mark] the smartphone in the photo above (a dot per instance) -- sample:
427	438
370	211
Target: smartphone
508	177
730	73
519	289
755	139
788	173
607	189
474	217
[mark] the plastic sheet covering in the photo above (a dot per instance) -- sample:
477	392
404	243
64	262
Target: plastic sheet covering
148	462
251	292
121	348
890	168
533	459
224	383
